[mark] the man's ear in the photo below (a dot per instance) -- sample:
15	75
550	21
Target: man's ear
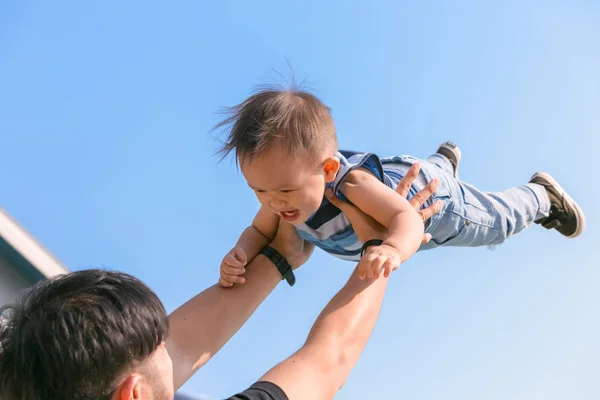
331	166
129	389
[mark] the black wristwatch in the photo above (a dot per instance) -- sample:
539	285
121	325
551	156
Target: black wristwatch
369	243
285	269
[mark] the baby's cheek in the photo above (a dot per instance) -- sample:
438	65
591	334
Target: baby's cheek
314	203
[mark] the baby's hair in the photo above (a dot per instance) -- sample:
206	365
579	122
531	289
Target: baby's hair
292	118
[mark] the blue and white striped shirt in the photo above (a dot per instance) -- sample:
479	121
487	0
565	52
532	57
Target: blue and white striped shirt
328	228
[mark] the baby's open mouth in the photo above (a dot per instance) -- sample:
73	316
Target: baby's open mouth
290	215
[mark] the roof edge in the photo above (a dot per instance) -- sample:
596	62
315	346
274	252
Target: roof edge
25	244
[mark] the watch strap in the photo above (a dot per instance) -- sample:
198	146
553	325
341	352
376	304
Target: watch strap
285	269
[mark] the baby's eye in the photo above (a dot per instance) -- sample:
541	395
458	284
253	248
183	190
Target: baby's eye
287	190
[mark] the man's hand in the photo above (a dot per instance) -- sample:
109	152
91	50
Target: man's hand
378	258
287	242
233	267
338	337
421	197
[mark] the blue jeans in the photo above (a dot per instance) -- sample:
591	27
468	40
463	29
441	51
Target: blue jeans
470	217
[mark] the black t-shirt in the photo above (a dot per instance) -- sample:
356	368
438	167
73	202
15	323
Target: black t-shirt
261	391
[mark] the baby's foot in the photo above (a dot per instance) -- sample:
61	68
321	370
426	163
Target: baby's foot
452	153
565	214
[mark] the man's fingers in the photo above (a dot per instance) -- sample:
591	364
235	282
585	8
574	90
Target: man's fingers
432	209
426	238
404	185
423	195
417	201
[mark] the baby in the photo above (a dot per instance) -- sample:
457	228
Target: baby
286	147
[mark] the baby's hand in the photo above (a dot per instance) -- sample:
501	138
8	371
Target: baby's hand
376	259
232	267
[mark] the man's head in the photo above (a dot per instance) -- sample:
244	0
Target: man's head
89	334
285	144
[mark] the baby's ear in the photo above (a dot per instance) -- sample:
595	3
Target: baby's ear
331	166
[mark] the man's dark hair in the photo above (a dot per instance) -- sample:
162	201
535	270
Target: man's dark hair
295	119
71	337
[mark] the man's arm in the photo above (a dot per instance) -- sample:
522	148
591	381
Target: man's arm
202	326
338	337
319	369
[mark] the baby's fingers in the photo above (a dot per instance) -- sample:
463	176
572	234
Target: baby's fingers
233	271
231	260
232	279
364	266
232	275
240	255
388	267
224	283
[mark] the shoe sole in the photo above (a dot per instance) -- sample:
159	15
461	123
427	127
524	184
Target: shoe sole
578	211
454	149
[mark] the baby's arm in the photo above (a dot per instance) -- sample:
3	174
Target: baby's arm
260	233
251	242
405	227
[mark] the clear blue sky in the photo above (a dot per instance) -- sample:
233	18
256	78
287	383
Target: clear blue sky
105	155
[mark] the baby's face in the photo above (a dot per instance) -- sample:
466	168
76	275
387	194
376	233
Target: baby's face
292	188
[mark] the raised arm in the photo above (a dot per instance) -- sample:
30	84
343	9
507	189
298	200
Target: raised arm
201	326
318	370
338	337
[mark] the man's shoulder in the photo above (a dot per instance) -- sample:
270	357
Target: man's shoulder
261	391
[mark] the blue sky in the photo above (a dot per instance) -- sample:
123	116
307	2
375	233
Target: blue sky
106	156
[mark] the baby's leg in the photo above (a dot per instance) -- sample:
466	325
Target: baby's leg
471	217
447	157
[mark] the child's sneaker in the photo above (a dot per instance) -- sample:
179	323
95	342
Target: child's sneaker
565	214
452	153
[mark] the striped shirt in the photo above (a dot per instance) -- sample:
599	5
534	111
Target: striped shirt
328	228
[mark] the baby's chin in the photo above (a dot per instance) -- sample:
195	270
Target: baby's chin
300	220
305	217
